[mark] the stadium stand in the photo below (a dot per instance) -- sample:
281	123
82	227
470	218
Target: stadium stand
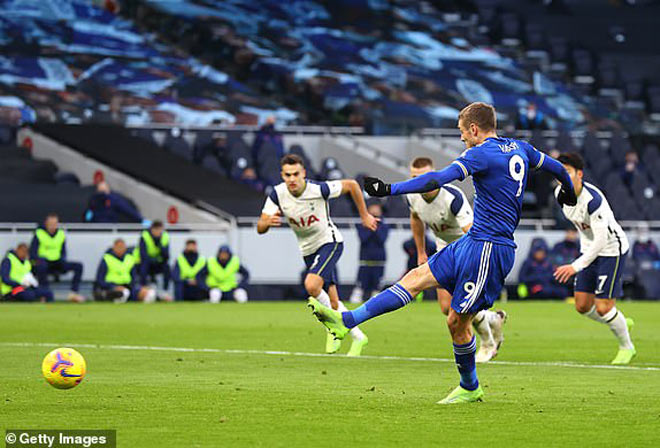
145	161
70	61
29	188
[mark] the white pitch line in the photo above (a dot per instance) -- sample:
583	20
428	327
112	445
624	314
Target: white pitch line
317	355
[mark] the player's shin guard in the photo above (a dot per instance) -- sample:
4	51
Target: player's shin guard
391	299
617	323
464	356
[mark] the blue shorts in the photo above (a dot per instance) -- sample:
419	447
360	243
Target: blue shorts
602	277
323	262
473	272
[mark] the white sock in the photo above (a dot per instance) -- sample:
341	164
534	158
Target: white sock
356	333
481	324
324	299
617	323
593	315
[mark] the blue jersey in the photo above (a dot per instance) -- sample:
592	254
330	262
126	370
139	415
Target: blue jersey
499	168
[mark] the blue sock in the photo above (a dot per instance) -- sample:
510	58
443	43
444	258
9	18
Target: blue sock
464	355
391	299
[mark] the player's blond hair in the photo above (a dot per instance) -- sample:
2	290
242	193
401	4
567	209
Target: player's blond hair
481	114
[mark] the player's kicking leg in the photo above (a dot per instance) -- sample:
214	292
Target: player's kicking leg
605	312
488	325
360	340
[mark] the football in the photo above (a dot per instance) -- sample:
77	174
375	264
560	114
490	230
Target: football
64	368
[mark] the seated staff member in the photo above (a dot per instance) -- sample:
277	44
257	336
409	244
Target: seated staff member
116	275
222	276
16	280
49	256
188	274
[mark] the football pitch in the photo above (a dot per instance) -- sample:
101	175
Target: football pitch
193	375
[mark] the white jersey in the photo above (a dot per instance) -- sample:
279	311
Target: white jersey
600	234
308	214
446	214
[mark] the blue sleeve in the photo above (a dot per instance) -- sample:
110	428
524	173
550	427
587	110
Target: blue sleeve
134	275
201	277
429	181
63	255
34	248
165	251
363	233
246	276
534	156
143	250
550	165
471	162
382	232
176	273
5	269
126	208
100	276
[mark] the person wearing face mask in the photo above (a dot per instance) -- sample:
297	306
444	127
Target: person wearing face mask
188	274
222	277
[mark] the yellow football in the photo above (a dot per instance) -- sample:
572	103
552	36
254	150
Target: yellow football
64	368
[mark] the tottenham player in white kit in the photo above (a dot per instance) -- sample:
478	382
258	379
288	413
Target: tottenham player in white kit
603	247
305	206
448	214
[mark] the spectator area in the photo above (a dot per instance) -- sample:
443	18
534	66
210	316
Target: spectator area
29	188
147	162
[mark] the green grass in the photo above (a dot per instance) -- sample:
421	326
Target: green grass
189	399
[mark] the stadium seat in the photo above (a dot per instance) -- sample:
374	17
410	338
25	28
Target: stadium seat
299	151
396	207
619	146
564	142
211	163
330	169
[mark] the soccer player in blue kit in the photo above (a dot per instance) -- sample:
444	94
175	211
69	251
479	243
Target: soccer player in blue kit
473	268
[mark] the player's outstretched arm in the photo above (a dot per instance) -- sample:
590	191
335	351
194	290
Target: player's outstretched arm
351	187
420	184
567	193
267	221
